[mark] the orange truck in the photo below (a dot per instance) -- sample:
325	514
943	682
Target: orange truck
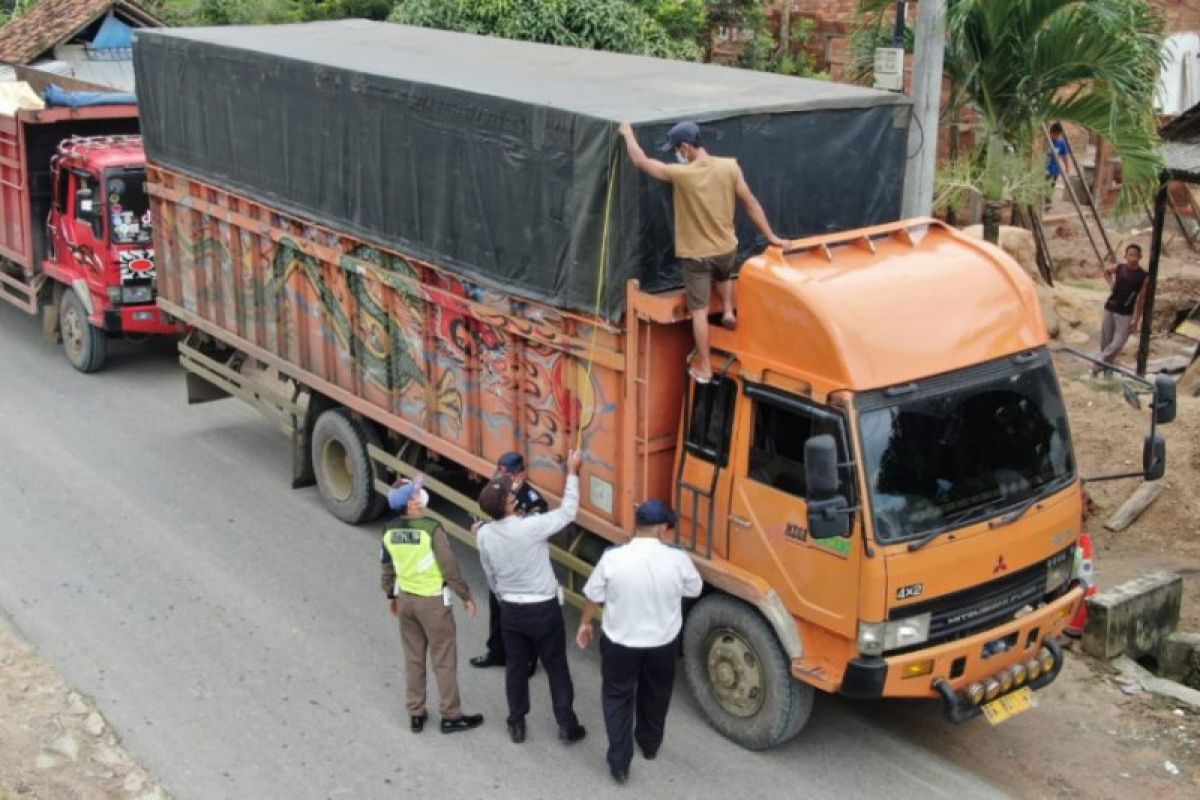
878	488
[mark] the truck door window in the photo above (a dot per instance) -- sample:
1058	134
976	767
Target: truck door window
712	420
87	203
777	448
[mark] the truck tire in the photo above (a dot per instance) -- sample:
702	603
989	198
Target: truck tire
343	469
86	346
740	675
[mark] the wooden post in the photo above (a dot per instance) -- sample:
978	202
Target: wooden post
928	54
1160	218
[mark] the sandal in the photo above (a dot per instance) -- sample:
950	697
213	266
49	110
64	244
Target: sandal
729	323
698	376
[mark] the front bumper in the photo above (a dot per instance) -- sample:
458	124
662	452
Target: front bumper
959	663
145	319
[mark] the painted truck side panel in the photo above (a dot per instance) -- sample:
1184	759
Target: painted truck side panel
468	371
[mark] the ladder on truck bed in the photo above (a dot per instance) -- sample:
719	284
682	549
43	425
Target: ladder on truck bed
698	493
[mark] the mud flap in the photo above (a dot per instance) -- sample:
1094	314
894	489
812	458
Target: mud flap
202	391
51	332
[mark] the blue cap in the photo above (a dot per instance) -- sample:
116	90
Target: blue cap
400	497
686	132
654	512
511	463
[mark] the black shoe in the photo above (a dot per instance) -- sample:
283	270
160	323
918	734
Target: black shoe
417	724
489	660
516	731
619	775
570	734
649	755
463	723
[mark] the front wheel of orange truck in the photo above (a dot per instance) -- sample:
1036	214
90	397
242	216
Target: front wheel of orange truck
343	468
740	675
86	346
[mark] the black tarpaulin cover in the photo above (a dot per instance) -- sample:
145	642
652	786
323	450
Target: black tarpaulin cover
493	157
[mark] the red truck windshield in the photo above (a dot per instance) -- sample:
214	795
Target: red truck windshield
128	207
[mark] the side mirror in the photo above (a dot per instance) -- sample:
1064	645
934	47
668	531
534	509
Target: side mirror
1154	457
1164	400
827	510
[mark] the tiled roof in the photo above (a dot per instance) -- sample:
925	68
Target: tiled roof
53	22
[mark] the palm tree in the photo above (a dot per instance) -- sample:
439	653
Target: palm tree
1020	64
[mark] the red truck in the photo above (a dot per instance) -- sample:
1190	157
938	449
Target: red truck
76	239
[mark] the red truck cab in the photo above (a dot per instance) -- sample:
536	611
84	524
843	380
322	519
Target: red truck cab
76	240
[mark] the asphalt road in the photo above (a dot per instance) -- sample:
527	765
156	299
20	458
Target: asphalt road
234	634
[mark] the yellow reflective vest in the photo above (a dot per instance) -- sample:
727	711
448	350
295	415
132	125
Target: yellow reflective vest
409	542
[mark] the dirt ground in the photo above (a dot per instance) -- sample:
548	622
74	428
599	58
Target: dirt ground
54	745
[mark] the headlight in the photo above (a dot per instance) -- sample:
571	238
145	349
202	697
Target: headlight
874	638
137	294
1058	570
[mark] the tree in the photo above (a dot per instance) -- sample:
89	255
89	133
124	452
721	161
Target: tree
1022	64
264	12
619	25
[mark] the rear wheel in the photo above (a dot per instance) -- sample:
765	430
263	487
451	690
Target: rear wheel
740	675
86	346
342	467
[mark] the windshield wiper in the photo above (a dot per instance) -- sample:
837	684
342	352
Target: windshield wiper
947	524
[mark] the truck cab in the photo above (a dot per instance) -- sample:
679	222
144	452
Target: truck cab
886	446
99	243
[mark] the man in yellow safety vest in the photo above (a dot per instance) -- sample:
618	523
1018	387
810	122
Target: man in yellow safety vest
419	573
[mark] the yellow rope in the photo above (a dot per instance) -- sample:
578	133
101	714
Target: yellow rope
600	285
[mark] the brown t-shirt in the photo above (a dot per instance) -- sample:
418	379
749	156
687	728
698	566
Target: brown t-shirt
705	201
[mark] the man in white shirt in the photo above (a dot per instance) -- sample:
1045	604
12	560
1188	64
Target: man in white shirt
641	586
515	555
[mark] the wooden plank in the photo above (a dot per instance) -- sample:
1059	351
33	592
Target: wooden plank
1138	502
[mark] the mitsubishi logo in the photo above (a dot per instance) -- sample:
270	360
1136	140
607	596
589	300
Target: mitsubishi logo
1000	566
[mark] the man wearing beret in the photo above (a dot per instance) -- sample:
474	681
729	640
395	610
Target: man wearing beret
641	586
419	573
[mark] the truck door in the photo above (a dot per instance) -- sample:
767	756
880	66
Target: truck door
768	522
82	229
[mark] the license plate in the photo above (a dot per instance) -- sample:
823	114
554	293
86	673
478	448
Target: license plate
1009	705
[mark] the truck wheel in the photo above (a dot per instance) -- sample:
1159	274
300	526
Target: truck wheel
740	675
85	346
342	467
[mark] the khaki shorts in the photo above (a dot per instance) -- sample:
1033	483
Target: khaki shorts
699	274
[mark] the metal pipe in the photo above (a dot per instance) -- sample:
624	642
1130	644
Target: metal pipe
1160	214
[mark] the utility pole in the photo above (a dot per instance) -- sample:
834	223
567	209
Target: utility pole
929	49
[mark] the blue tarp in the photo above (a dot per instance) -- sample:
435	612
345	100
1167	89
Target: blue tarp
113	35
58	96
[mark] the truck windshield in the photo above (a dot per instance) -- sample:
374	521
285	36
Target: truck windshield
965	447
128	207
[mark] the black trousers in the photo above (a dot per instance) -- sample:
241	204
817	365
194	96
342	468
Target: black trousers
536	630
495	640
637	683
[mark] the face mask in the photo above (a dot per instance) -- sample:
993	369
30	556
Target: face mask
680	157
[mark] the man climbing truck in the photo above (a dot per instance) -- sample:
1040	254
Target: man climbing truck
76	244
889	509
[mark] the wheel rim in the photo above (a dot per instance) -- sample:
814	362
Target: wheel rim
735	673
73	332
339	478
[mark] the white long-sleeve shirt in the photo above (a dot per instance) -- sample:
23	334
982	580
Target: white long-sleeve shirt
515	551
641	586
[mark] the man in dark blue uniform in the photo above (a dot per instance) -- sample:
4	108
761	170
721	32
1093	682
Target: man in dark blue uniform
529	501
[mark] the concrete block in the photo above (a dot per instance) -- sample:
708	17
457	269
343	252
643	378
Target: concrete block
1179	655
1134	618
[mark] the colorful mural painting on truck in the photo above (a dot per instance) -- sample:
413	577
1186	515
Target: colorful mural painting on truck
470	364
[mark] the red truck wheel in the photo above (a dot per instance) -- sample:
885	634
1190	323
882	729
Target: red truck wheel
343	468
740	676
86	347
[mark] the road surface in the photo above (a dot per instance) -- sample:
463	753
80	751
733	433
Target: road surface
234	633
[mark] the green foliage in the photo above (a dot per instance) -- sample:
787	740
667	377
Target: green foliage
619	25
264	12
1023	64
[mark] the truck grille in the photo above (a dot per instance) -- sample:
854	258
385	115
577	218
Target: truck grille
961	614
